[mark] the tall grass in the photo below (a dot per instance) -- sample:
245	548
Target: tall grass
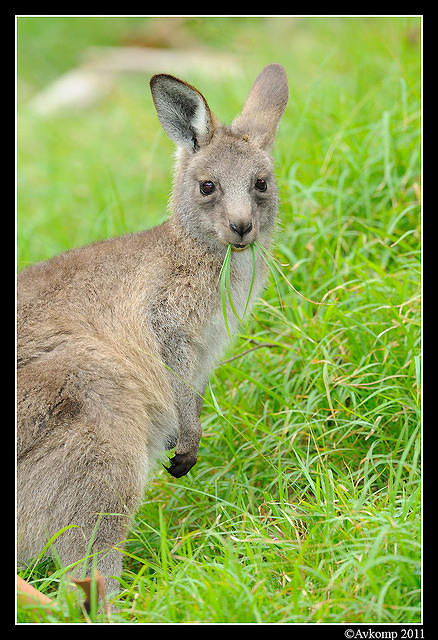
305	503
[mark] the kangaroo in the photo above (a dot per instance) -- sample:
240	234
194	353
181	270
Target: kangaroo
116	340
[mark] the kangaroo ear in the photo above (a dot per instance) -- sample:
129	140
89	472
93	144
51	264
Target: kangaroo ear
183	111
264	107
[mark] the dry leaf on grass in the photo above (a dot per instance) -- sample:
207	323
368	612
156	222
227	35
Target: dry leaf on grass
86	584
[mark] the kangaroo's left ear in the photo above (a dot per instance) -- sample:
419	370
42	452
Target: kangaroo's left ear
262	111
183	111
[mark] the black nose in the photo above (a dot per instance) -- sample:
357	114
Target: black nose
241	229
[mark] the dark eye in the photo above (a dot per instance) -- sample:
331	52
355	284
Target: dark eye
260	184
206	188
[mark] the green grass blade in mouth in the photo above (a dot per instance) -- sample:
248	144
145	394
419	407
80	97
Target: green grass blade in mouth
226	259
223	280
251	286
228	284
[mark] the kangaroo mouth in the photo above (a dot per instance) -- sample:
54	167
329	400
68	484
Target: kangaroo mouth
239	247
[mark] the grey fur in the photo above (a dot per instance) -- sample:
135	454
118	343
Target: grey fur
116	340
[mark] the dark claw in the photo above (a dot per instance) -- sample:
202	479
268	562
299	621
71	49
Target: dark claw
180	464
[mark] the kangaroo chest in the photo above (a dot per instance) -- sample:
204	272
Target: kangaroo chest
215	337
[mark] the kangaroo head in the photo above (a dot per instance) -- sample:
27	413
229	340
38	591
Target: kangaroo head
224	189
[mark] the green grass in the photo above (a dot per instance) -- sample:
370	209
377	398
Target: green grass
305	503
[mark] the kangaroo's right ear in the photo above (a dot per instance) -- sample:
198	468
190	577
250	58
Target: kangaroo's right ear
264	106
183	111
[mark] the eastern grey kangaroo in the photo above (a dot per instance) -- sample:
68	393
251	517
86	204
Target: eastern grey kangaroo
116	340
